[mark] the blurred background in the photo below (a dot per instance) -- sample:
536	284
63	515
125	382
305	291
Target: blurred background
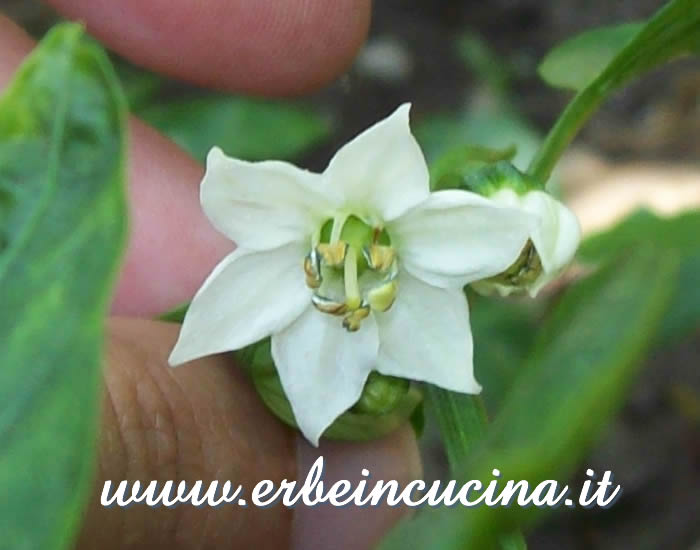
469	68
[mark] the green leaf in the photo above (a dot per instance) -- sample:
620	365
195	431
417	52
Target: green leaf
680	233
576	62
175	315
584	360
643	227
503	332
244	128
462	420
672	32
63	226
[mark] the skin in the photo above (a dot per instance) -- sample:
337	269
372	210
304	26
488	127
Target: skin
204	421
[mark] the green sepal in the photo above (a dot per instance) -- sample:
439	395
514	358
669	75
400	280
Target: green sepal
451	168
175	315
493	177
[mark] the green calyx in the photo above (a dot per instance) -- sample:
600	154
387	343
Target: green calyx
485	177
381	394
451	168
386	402
501	175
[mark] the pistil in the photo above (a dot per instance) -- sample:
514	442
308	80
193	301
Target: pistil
353	299
351	246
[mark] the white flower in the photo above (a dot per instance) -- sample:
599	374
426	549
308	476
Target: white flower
555	238
359	268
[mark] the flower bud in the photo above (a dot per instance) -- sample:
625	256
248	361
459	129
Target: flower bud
552	243
385	404
381	394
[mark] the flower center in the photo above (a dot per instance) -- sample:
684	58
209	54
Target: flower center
352	269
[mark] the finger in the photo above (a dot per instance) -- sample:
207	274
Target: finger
355	527
200	422
204	422
265	46
172	246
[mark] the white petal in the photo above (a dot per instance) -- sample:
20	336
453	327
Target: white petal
262	205
323	367
247	297
382	172
426	336
556	237
456	237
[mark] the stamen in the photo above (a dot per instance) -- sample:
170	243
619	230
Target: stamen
326	305
381	298
338	223
352	288
379	257
312	269
526	268
333	255
352	320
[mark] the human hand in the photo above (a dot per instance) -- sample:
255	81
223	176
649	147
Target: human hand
205	422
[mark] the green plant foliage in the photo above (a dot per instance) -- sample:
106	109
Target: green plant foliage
451	169
672	32
488	128
484	62
244	128
63	227
140	87
496	127
680	233
576	62
583	361
503	332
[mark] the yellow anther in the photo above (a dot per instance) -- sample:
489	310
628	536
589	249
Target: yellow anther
312	271
332	255
379	257
353	320
326	305
382	297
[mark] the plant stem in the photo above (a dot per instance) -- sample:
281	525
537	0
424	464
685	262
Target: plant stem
576	114
462	421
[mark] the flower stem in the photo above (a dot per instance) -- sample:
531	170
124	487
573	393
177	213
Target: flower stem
577	112
462	421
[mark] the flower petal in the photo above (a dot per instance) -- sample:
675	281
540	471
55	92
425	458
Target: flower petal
556	237
382	172
262	205
323	367
247	297
456	237
426	336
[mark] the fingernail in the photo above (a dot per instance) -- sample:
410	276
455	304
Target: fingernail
352	527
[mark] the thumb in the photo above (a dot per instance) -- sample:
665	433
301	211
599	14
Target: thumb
205	422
